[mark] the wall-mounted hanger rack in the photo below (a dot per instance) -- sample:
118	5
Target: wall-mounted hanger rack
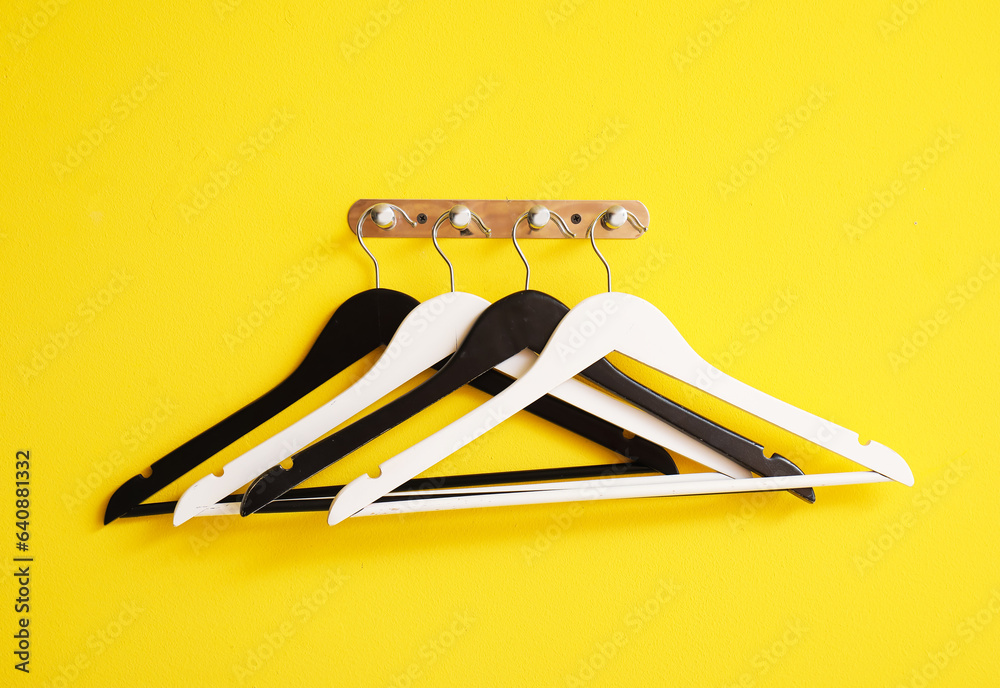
500	215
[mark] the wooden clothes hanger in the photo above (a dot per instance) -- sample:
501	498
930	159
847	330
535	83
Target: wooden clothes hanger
524	320
360	325
429	333
634	327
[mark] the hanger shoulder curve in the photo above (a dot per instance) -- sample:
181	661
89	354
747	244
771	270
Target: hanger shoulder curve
652	339
598	326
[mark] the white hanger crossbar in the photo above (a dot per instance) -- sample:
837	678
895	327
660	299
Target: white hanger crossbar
598	489
609	489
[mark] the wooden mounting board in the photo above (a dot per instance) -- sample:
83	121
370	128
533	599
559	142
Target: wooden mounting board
498	215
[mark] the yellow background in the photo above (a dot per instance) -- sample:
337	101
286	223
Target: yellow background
827	108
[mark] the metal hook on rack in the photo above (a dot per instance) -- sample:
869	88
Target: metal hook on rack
384	217
538	216
460	217
613	218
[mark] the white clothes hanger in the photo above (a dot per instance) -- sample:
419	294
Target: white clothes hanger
430	333
684	484
598	326
229	508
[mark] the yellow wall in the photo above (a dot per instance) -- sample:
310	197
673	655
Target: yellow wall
822	184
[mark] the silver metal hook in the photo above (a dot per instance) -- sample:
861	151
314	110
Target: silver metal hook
613	218
538	216
383	217
460	217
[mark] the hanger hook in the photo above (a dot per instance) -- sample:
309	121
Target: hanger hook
538	216
384	217
613	218
460	217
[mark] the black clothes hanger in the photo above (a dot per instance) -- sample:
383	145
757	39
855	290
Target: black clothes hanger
320	498
377	312
523	320
360	325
